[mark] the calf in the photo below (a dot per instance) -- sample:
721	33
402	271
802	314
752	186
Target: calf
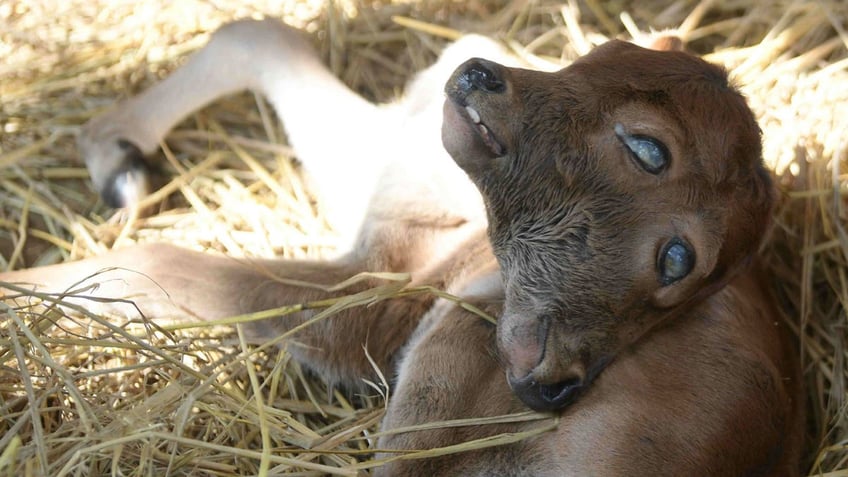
606	214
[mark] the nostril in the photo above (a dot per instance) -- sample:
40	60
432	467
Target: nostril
560	394
546	397
481	76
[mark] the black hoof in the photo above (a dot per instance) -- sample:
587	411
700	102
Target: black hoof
130	181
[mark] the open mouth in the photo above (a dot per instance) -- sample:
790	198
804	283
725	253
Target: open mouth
484	132
470	114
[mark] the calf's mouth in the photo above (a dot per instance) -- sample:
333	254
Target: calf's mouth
472	85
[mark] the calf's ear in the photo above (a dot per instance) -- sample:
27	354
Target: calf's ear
666	43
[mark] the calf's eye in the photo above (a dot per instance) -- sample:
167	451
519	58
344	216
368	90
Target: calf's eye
649	153
676	260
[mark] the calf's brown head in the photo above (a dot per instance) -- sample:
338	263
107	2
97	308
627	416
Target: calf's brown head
620	191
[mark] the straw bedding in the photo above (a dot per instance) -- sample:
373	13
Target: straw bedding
87	395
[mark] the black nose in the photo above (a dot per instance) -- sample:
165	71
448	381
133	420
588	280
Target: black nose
481	75
546	397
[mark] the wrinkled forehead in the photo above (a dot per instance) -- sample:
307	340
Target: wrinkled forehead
618	64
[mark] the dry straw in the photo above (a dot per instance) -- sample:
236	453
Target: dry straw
83	395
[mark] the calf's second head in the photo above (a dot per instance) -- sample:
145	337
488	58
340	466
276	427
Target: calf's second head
620	191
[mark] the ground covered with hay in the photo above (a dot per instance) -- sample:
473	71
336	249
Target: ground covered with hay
85	395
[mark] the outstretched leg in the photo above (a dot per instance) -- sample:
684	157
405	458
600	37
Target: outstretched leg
163	281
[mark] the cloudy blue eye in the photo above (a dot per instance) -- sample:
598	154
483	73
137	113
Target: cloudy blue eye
649	153
676	260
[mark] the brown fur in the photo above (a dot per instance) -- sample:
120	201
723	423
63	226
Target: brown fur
655	377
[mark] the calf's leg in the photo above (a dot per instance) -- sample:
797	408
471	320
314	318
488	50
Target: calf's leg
163	281
321	115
